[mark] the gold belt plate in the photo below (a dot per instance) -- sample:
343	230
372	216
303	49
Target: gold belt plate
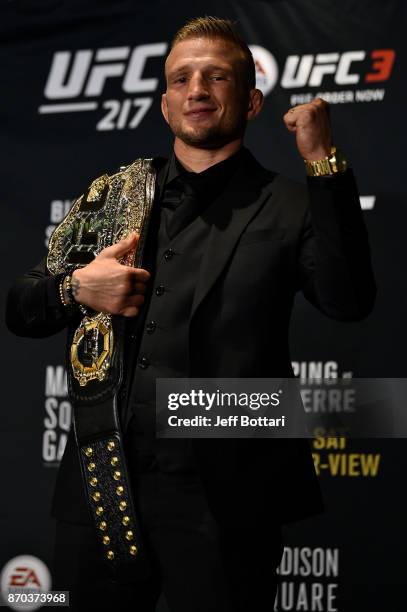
92	348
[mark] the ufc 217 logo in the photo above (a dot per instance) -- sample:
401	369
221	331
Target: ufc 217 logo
84	74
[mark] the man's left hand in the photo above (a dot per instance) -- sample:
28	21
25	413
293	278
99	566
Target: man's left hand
312	128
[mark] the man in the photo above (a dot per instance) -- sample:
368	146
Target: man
229	244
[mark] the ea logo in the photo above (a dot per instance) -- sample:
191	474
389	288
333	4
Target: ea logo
21	577
266	69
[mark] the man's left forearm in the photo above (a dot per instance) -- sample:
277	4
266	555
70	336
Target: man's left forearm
337	274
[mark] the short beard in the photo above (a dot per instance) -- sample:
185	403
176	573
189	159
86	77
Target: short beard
209	138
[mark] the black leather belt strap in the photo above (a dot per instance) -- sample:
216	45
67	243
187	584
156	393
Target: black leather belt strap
107	482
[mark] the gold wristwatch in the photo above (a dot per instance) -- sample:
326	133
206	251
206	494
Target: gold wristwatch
335	163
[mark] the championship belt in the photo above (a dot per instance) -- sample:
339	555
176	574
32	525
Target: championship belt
112	208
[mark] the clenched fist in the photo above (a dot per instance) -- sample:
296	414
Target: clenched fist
312	128
109	286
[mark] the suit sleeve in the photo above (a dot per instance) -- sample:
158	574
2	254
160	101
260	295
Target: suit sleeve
34	307
335	271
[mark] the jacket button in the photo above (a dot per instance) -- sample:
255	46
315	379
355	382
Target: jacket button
160	290
143	363
150	327
169	254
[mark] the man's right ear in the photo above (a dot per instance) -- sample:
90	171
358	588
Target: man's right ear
256	100
164	107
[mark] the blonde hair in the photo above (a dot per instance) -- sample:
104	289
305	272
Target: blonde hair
214	27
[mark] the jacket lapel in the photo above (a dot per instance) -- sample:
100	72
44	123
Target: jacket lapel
230	215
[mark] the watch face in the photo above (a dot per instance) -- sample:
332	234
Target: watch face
333	158
337	160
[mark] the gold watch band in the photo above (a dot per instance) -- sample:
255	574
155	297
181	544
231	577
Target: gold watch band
335	163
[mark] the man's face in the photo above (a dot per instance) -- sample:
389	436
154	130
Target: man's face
207	97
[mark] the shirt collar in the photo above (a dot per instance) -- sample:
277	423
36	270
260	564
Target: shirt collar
218	172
